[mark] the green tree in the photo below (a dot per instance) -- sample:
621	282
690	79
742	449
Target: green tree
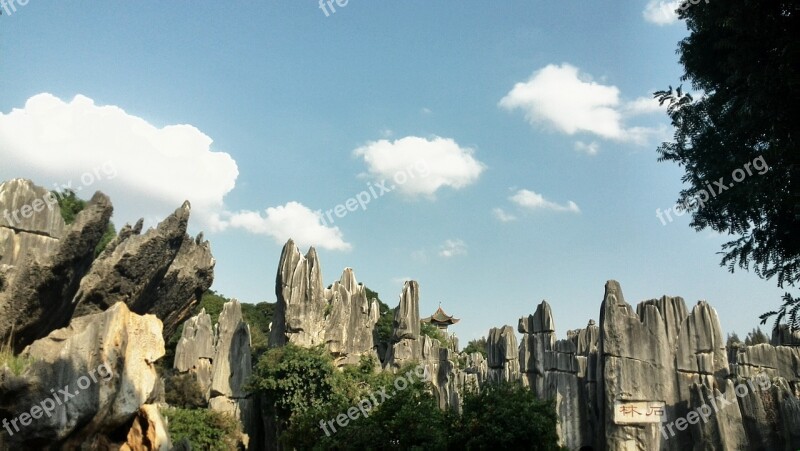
756	337
732	340
259	317
203	429
506	416
477	345
298	384
110	234
743	57
70	204
434	332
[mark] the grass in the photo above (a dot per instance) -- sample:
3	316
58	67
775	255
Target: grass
15	363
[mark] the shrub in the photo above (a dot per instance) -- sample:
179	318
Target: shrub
203	429
506	415
183	390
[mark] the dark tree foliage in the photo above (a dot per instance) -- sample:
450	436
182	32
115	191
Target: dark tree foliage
756	337
477	345
70	204
110	234
183	390
743	56
506	416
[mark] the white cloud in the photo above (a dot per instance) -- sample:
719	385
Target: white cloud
534	201
570	102
502	215
417	166
452	248
589	149
292	220
147	170
643	105
661	12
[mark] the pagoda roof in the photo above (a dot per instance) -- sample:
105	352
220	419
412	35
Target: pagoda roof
440	317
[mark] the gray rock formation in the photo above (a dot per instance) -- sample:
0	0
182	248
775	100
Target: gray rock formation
502	355
350	327
37	293
221	362
306	314
300	310
30	221
195	351
164	272
553	370
105	361
406	342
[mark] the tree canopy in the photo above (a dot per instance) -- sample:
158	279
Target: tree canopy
741	58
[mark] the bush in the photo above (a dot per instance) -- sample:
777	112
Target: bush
506	415
478	345
69	204
183	390
203	429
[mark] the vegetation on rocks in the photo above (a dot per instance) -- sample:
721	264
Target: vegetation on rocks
203	429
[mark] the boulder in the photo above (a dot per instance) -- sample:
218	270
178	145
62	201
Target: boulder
95	374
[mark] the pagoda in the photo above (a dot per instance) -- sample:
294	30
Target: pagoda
440	319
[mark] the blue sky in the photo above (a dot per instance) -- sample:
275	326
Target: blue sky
524	131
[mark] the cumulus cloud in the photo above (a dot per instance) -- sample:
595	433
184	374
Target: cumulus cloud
417	166
293	220
502	215
661	12
535	201
147	170
589	149
643	105
563	98
452	248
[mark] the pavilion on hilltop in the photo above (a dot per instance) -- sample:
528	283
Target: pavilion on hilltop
441	319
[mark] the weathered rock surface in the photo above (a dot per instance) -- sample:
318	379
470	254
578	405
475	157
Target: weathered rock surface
195	351
36	299
552	369
105	361
149	431
221	362
30	221
232	357
164	272
406	342
300	310
350	327
502	355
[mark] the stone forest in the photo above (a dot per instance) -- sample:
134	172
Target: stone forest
655	376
